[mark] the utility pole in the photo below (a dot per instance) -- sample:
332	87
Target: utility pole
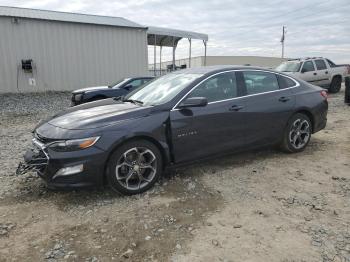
283	38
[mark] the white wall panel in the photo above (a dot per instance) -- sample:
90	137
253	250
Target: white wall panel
67	55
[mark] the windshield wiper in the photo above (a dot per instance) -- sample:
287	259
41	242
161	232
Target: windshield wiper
133	101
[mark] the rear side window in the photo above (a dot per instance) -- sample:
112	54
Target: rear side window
320	64
308	66
285	82
259	82
331	64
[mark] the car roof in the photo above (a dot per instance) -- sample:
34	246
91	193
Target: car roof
303	59
137	77
218	68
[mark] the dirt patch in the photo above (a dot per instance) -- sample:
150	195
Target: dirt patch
99	225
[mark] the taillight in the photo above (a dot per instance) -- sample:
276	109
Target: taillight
324	94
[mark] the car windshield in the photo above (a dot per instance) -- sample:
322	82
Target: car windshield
290	66
163	89
119	83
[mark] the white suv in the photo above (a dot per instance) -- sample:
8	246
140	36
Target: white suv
317	71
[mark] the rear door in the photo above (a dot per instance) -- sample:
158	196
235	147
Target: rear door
202	131
323	74
269	101
308	72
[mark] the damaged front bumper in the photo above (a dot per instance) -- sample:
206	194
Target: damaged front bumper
35	159
60	170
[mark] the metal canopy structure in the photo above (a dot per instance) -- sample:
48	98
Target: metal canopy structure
160	36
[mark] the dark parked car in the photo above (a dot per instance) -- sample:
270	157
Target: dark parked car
183	116
120	88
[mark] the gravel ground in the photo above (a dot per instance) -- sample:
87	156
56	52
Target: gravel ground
255	206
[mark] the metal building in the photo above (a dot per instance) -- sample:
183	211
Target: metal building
65	51
44	50
262	61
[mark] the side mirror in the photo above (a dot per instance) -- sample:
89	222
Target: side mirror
303	70
127	87
194	102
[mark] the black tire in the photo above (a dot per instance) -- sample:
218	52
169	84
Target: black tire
291	132
335	85
132	166
347	91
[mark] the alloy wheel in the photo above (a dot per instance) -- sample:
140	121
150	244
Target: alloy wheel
136	168
299	133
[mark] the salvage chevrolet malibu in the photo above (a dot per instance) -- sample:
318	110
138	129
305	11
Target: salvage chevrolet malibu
188	115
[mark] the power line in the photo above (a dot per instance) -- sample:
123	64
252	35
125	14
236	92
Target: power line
299	9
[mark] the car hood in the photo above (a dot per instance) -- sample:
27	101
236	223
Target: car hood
88	89
97	114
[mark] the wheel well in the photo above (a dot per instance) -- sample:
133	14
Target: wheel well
147	138
309	115
337	76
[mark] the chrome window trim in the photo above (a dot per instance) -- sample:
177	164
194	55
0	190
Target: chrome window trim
297	84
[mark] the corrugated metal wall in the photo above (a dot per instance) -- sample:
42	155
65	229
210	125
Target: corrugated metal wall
68	56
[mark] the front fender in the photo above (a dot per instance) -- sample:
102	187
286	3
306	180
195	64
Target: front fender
152	128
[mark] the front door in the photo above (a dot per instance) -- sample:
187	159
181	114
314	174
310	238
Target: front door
308	72
219	126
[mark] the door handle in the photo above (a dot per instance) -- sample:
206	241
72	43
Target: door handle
283	99
326	72
235	108
315	74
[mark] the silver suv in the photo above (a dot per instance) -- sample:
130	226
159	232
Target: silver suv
318	71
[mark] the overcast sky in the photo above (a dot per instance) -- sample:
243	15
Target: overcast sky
251	27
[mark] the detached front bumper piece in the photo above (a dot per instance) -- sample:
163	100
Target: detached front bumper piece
35	159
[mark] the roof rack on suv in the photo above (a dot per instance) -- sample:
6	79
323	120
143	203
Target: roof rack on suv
304	58
315	57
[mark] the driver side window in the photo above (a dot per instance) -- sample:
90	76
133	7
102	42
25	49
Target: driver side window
308	66
219	87
135	83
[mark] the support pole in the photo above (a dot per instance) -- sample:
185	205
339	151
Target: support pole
189	58
283	38
173	53
155	56
205	52
160	60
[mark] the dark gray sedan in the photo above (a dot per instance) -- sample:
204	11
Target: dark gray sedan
178	118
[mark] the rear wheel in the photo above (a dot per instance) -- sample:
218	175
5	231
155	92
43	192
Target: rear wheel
297	134
134	167
335	85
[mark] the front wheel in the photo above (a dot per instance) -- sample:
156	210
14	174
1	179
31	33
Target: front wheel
297	134
134	167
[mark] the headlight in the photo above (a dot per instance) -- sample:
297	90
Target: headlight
73	145
78	97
